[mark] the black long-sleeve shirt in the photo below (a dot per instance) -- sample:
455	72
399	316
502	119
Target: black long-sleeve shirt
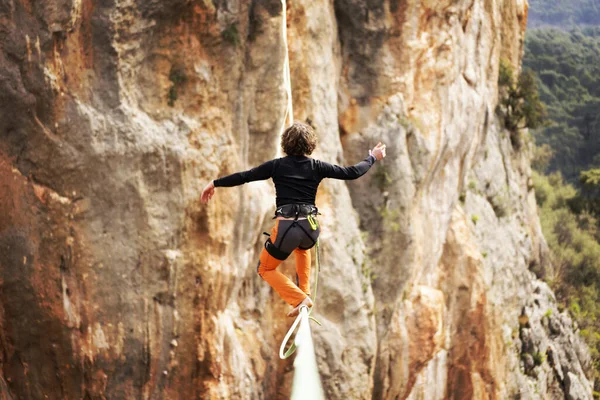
296	178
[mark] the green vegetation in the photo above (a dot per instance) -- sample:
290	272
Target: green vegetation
474	218
574	241
568	67
391	218
382	178
519	106
178	78
566	158
538	358
231	35
368	275
499	204
590	191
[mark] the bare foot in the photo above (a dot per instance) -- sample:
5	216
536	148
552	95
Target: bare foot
306	302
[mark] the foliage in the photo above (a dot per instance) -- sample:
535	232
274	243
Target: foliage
538	358
568	69
391	218
178	78
368	274
382	178
542	155
590	190
505	73
520	106
231	35
572	235
499	204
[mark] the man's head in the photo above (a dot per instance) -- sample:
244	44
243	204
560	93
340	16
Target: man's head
299	140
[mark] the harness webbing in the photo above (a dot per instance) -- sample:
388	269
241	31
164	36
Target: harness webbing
306	233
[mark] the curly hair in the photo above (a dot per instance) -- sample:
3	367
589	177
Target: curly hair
299	140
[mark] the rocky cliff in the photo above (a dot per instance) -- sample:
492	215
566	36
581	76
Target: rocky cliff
116	283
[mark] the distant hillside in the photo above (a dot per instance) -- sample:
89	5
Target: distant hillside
568	65
563	13
566	58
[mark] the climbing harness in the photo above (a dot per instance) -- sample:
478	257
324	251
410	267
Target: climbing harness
296	211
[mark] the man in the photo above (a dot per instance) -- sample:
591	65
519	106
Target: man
296	178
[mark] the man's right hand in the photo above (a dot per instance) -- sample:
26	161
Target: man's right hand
378	151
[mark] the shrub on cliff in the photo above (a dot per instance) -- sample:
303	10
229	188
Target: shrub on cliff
519	106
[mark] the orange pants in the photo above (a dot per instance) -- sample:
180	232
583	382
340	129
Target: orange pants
267	269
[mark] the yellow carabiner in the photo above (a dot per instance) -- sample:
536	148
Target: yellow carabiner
314	224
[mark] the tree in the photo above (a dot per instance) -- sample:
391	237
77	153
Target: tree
590	190
520	106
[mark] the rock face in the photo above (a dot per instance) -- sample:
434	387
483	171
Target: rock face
115	282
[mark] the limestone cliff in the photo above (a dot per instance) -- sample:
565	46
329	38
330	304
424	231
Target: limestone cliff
115	282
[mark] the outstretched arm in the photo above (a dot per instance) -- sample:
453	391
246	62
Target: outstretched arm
263	171
346	173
